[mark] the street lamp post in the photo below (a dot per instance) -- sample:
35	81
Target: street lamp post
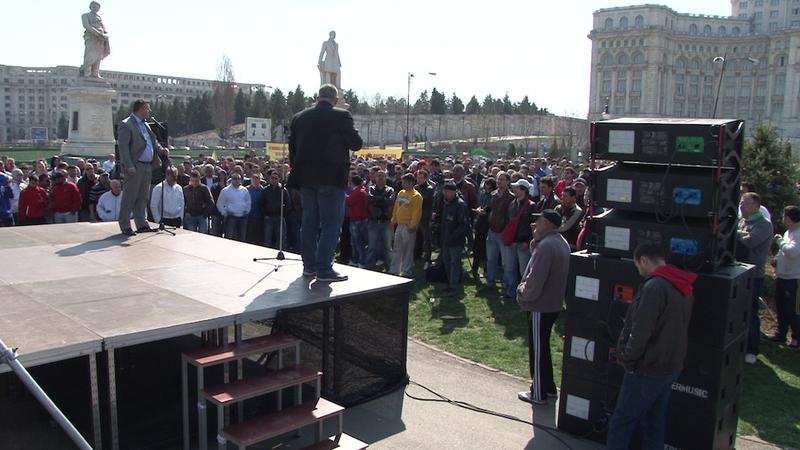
408	109
724	61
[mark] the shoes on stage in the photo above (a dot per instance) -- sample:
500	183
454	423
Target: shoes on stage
129	232
146	230
331	277
309	273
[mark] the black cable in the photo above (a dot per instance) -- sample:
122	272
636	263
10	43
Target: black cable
442	399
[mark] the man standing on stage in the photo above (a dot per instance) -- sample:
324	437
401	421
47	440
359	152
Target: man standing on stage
319	143
651	347
137	150
541	294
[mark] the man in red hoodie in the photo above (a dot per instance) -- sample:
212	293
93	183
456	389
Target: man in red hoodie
356	208
651	347
67	199
32	203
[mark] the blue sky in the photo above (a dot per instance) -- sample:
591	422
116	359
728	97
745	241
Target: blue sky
519	47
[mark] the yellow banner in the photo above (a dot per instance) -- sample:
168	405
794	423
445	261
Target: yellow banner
394	152
277	151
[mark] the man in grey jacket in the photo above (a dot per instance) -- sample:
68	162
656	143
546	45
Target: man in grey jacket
138	151
541	295
754	239
651	347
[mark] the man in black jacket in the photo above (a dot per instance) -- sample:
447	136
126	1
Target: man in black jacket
651	347
454	228
319	143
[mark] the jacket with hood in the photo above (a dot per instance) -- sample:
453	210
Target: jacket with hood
654	339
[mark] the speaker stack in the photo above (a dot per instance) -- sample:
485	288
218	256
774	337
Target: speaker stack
675	183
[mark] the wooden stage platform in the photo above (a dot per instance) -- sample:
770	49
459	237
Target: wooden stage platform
72	290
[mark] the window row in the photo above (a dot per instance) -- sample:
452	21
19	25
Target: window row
638	22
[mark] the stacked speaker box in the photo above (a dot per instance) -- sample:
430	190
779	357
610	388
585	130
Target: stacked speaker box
675	183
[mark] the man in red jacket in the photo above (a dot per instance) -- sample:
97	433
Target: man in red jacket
67	199
356	208
32	203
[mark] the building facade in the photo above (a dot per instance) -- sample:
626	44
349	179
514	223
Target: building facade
36	96
651	61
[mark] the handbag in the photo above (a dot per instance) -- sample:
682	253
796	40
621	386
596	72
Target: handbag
510	231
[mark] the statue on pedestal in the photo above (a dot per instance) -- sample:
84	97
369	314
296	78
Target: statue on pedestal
330	65
96	40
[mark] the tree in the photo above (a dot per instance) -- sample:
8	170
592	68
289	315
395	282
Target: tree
223	98
296	100
63	126
423	103
378	105
512	151
438	105
525	106
508	106
473	107
351	98
768	164
278	109
395	106
456	105
259	105
241	106
488	106
177	118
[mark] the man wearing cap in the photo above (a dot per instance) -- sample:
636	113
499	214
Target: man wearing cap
514	258
454	228
580	192
66	199
541	295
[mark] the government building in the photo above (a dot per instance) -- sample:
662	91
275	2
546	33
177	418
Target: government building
651	61
36	97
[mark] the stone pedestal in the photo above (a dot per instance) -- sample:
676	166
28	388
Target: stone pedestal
91	127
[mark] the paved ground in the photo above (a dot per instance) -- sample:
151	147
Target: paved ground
400	422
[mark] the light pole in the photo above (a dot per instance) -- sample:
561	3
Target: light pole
724	61
408	109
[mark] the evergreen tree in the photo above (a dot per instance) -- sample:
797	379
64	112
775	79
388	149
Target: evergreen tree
63	126
456	105
488	105
351	98
202	114
423	104
512	151
259	105
525	106
297	101
177	118
438	105
473	107
508	106
241	105
395	106
278	110
768	164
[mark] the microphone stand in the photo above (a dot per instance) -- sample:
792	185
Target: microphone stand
280	257
166	163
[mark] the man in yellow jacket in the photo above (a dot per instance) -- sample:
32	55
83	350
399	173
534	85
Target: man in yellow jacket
406	215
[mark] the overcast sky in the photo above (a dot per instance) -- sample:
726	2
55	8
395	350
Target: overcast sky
519	47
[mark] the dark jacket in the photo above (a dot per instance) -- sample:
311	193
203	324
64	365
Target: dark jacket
271	200
654	339
498	210
549	202
380	203
454	223
319	143
427	191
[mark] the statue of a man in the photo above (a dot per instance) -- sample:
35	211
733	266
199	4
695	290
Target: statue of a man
330	66
96	39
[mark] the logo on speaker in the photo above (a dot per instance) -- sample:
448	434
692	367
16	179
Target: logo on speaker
691	390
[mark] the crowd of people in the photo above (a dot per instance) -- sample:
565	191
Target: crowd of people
516	220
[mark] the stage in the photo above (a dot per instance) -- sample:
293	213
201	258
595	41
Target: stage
72	290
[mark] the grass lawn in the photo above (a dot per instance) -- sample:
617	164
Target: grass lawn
478	326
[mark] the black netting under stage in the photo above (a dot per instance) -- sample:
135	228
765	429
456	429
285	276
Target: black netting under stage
358	343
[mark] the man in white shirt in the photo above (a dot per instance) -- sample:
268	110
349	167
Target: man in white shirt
108	164
173	200
17	185
109	203
234	205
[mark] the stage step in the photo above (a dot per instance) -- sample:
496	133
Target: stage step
269	426
346	442
217	355
237	391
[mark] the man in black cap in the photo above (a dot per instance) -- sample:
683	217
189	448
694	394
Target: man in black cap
541	295
454	227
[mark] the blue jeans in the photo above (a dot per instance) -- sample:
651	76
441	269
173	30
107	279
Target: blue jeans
235	228
272	231
511	269
358	241
196	223
494	244
642	401
380	243
523	256
754	333
217	225
451	258
323	214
